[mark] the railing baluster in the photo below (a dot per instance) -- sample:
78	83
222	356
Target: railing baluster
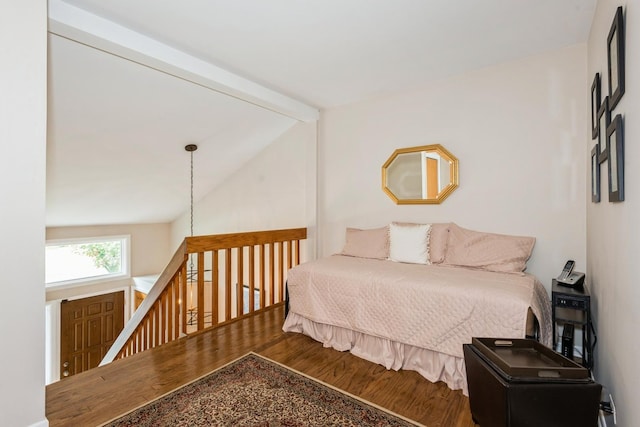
240	280
169	313
156	325
183	298
139	335
280	271
215	293
163	318
227	288
143	336
178	307
147	333
252	278
272	286
200	291
263	288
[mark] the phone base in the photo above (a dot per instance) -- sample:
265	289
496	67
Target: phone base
575	280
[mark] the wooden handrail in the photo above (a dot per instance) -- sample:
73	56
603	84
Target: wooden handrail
173	308
234	240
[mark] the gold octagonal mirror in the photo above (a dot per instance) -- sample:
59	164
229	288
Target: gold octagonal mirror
416	175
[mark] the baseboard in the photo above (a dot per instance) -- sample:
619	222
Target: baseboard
43	423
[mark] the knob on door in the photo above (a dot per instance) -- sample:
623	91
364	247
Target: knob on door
65	365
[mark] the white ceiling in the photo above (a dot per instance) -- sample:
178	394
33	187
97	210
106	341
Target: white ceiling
117	129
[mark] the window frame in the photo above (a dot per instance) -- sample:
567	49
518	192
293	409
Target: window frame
125	271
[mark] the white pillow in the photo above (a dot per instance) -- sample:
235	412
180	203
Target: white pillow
409	243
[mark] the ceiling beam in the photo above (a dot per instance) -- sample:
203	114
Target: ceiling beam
83	27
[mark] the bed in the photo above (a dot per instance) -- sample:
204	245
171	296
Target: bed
413	309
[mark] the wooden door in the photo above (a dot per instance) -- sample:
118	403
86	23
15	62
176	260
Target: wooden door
432	178
88	327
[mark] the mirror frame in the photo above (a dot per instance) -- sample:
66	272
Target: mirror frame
442	195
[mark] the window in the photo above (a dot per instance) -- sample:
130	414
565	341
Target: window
73	261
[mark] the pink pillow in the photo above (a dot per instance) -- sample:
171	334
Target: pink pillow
438	242
371	243
488	251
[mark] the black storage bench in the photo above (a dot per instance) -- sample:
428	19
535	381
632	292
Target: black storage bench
522	383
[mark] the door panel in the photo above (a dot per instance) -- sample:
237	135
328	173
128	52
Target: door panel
88	327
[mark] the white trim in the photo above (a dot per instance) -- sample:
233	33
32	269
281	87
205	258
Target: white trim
52	342
79	25
80	283
43	423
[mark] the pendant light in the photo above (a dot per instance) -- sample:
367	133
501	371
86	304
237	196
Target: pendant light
191	273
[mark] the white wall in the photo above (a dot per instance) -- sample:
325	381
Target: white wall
274	190
23	118
613	235
518	130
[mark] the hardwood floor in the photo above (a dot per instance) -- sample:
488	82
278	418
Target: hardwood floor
101	394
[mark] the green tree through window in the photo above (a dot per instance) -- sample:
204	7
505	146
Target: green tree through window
104	254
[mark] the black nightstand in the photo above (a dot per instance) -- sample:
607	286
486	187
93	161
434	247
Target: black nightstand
573	306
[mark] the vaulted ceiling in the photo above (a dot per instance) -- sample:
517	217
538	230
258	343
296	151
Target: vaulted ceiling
231	76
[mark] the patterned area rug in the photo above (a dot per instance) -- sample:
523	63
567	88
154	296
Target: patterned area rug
255	391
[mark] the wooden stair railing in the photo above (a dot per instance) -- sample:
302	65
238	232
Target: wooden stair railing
211	280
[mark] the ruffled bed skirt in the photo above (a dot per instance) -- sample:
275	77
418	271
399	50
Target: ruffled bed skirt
432	365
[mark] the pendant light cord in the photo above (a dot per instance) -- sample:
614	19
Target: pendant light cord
191	148
191	193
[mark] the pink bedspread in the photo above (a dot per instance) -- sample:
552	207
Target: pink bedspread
433	307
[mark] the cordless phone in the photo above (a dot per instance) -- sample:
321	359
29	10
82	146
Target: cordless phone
570	278
568	268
